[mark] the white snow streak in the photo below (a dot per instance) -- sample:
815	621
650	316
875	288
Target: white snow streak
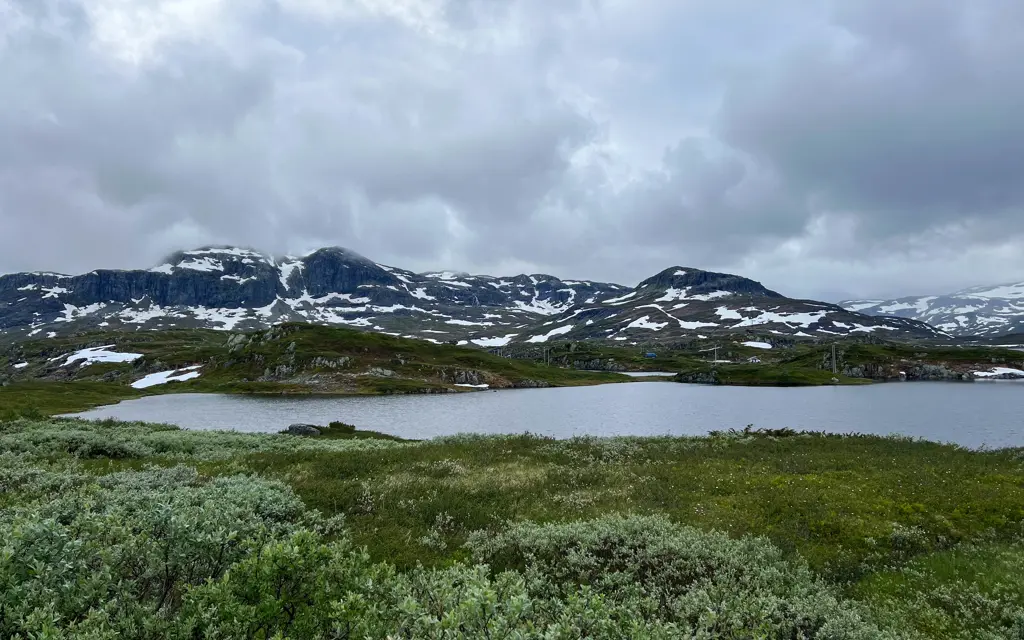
550	334
100	354
644	323
494	342
202	264
286	269
619	300
164	377
1000	371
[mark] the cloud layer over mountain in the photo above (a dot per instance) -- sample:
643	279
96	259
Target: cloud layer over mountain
848	148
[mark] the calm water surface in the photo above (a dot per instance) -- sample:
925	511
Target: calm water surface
975	415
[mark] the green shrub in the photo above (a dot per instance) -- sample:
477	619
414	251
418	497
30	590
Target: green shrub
120	552
706	583
120	440
166	553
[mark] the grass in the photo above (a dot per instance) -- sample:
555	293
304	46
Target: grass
774	375
838	501
970	592
37	398
790	363
927	537
309	359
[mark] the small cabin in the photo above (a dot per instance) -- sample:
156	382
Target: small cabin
650	355
754	360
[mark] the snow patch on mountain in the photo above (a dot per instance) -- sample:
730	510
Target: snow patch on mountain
287	268
673	294
551	334
726	313
100	354
495	341
163	377
621	299
644	323
538	306
1003	372
201	264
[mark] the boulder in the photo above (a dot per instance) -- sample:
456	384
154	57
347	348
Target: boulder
302	430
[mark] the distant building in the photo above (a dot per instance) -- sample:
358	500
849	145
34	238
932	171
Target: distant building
754	360
650	355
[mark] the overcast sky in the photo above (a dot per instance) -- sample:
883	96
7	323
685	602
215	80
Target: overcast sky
829	149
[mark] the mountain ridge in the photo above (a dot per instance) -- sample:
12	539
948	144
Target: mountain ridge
983	311
234	288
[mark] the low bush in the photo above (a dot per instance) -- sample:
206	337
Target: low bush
165	553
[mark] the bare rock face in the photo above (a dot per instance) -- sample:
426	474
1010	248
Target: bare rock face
463	376
302	430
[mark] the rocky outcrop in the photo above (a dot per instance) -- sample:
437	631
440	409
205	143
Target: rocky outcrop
698	377
530	384
302	430
598	364
463	376
910	372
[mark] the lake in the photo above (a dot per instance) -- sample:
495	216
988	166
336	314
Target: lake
980	414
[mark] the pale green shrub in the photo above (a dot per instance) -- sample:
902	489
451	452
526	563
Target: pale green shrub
85	439
301	588
120	552
708	584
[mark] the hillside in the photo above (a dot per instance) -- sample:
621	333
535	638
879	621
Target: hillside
979	311
71	373
685	302
234	289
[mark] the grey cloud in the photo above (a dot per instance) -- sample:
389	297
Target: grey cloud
918	123
594	139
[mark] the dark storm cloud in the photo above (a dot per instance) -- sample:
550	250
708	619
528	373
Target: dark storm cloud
811	144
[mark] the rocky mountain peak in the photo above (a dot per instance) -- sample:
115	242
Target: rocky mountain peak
700	284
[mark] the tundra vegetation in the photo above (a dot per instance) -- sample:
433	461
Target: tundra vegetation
118	530
292	358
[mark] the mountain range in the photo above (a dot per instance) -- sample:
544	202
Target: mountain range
233	288
978	311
